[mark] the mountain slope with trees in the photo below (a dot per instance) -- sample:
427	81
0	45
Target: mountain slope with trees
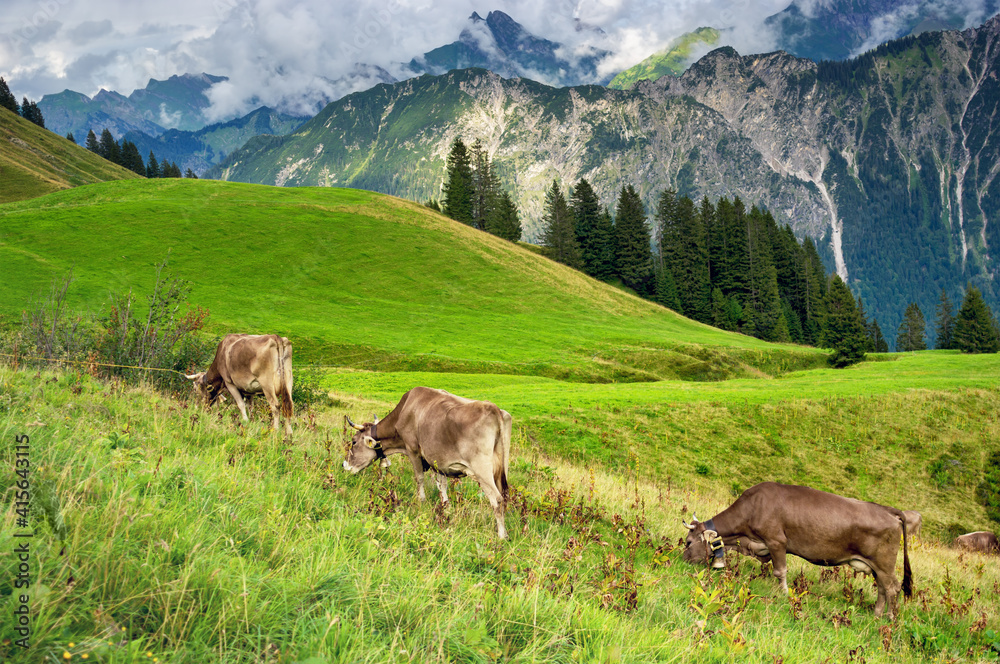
888	162
34	161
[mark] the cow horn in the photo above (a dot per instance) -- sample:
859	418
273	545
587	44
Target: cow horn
194	376
353	425
694	518
375	418
687	525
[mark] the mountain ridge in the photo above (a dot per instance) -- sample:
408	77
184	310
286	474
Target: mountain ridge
887	160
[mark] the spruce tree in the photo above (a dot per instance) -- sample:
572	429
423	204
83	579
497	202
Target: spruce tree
505	221
814	293
633	254
975	329
910	335
71	138
586	223
557	233
92	143
457	201
131	159
7	98
945	322
684	253
665	292
843	331
485	185
109	148
152	166
763	300
879	344
605	243
190	174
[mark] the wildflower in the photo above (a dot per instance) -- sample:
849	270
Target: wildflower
67	655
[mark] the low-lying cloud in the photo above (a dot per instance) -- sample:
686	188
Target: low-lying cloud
297	54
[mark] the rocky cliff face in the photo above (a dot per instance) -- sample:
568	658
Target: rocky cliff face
890	160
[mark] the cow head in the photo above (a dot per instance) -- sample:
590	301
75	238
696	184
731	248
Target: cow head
207	390
364	447
698	547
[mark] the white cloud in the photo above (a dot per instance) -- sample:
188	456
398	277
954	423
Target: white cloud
295	53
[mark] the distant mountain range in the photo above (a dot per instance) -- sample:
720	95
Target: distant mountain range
176	103
502	45
839	29
889	161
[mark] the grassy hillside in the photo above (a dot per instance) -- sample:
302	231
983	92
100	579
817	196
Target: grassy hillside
671	61
34	161
163	532
363	280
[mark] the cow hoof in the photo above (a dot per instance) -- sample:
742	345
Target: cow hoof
719	564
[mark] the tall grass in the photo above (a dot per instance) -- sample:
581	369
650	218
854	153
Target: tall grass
192	538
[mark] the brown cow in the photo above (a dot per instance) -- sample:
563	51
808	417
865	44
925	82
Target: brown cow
771	520
982	541
914	522
450	435
247	364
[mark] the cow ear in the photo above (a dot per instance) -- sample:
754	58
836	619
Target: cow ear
370	442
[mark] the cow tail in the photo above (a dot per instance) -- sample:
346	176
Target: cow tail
502	449
907	574
285	375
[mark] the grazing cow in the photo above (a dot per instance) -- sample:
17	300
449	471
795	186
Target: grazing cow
982	541
450	435
247	364
771	520
914	522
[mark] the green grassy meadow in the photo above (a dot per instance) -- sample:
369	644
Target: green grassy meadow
165	532
362	280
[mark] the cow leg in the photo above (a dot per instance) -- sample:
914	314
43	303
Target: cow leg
442	485
418	473
272	402
780	564
238	398
483	472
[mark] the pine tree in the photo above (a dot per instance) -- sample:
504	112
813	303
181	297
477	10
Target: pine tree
190	174
633	255
92	143
684	252
505	221
31	113
605	243
870	346
7	98
485	185
815	293
910	335
131	159
665	292
975	329
945	322
433	204
152	166
879	343
586	223
557	233
844	331
763	300
457	202
109	148
70	137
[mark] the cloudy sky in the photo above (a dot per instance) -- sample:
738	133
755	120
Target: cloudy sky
291	53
